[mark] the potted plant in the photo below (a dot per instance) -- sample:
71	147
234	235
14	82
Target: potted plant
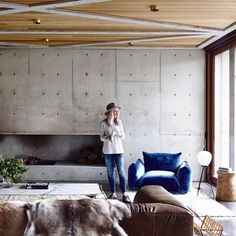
11	170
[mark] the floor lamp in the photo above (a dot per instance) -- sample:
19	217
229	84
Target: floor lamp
204	159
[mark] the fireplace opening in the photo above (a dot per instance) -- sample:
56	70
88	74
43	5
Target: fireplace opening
54	149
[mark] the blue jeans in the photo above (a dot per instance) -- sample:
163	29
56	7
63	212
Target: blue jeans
111	161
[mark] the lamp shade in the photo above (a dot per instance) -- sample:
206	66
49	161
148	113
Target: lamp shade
204	158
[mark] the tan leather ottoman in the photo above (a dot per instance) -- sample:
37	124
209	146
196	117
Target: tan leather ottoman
156	212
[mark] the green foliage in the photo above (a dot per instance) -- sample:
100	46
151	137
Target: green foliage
12	168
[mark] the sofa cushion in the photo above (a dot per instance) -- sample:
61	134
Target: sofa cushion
155	193
166	179
161	161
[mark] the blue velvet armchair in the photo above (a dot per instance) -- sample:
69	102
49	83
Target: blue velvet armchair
162	169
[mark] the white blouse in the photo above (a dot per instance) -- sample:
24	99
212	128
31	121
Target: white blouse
114	146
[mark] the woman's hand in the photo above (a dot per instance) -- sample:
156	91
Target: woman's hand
116	134
110	137
113	134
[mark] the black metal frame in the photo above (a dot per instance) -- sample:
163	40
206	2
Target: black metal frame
200	181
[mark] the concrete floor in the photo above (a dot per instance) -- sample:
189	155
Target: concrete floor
229	223
206	189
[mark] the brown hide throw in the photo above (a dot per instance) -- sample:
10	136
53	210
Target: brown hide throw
13	218
85	217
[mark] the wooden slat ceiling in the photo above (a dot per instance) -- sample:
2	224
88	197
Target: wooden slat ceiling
117	23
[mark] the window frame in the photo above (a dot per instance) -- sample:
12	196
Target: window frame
225	43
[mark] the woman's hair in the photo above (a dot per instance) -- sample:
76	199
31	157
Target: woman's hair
110	118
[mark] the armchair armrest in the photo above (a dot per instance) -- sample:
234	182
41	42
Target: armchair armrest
184	176
135	172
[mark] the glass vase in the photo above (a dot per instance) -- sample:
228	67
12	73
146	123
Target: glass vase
7	183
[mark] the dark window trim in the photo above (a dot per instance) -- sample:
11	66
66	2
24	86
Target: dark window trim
222	44
219	46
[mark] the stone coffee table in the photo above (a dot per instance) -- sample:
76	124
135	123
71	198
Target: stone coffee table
55	190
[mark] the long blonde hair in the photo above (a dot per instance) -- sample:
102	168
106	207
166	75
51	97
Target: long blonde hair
110	118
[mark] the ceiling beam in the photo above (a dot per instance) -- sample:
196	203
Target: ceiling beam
9	44
213	39
36	7
118	47
100	32
11	5
130	20
143	47
66	3
123	41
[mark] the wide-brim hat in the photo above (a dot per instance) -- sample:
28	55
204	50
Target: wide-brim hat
111	106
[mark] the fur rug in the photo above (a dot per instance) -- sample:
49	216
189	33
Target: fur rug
87	217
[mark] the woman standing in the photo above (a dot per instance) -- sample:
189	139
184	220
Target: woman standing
112	133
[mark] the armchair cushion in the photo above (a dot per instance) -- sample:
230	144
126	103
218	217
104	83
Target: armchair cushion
161	161
166	179
135	172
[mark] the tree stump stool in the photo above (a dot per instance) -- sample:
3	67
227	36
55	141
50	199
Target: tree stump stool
226	186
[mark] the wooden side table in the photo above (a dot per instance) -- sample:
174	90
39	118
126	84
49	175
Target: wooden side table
226	186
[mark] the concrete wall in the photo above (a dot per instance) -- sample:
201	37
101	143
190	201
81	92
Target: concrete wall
56	91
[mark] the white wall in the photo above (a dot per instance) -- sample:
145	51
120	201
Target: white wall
65	92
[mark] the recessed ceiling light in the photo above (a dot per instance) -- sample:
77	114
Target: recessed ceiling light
46	40
130	44
36	21
154	8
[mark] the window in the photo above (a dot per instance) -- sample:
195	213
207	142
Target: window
222	111
221	103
